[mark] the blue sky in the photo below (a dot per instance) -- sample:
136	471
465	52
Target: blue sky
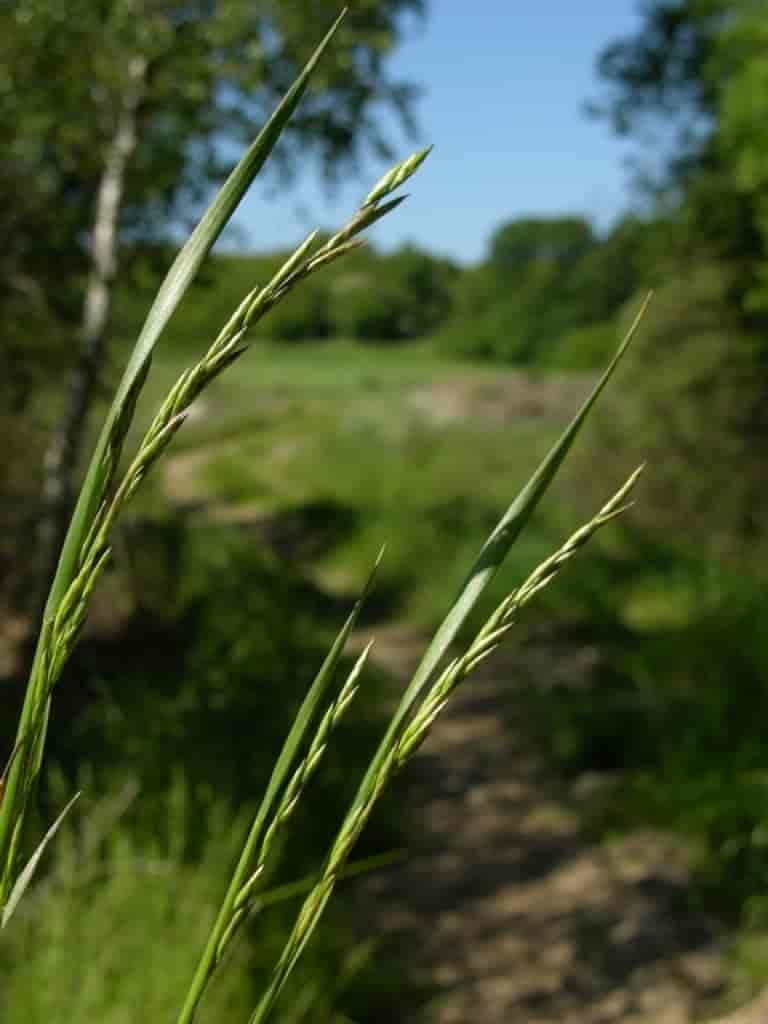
504	86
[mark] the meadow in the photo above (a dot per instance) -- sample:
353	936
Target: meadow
333	449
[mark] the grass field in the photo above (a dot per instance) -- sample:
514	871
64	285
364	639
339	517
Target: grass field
331	450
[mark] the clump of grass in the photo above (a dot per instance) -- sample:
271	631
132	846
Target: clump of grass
87	550
119	918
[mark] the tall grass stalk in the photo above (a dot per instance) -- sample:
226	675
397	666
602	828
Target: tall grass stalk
87	549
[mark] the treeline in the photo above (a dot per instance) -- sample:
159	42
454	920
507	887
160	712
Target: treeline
369	296
545	294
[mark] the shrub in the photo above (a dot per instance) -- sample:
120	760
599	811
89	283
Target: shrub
400	296
584	348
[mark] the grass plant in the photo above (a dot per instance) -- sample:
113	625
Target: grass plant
105	494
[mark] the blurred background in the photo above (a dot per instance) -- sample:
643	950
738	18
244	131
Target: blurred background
582	157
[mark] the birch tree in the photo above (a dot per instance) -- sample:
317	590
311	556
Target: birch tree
121	113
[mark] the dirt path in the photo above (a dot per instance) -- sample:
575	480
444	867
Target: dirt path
509	910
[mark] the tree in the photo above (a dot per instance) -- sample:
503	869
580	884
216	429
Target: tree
743	129
702	61
399	296
666	73
551	243
516	306
123	110
697	65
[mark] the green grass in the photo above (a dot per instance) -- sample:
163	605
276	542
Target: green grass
359	447
330	372
112	933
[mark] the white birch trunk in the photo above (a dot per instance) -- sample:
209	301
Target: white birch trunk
63	452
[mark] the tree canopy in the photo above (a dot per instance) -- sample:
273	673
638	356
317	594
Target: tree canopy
698	66
204	72
123	114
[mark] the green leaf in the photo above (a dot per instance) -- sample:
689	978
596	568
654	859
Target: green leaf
25	877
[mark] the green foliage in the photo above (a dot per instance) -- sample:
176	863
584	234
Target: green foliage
742	138
521	245
669	715
698	419
218	631
101	874
306	318
698	63
542	279
114	928
64	73
666	69
583	348
396	297
611	271
167	90
228	278
679	746
372	296
533	261
672	712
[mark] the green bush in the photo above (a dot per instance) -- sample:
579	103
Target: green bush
671	715
400	296
372	296
305	318
218	291
542	283
585	348
694	408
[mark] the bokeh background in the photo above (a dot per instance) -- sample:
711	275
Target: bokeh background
584	154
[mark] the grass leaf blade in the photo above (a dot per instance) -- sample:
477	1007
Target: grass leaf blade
26	875
507	530
310	703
